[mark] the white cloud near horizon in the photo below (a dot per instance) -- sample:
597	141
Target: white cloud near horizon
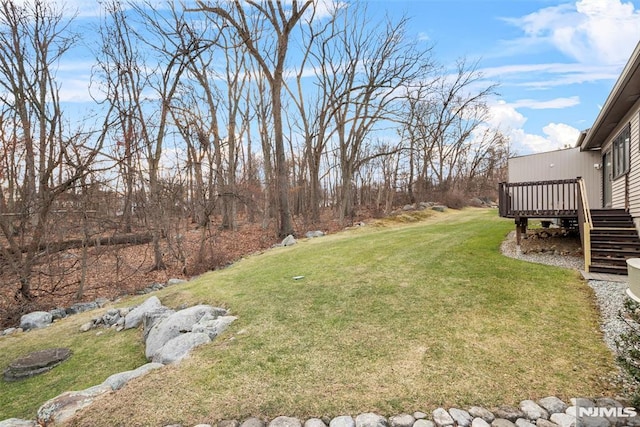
510	122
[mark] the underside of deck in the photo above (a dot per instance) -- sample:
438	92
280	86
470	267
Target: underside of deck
608	236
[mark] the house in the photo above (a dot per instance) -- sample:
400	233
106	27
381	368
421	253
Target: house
594	186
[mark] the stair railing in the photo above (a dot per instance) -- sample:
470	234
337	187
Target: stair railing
584	223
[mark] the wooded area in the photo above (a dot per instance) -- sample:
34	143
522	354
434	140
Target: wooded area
211	114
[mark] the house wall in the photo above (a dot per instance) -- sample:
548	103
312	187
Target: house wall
632	180
561	164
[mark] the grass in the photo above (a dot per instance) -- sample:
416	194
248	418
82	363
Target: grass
404	316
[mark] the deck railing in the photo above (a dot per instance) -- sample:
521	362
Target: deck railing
539	199
585	223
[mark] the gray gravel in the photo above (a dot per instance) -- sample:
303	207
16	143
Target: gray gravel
510	249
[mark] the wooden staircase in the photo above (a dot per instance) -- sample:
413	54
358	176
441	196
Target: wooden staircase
614	239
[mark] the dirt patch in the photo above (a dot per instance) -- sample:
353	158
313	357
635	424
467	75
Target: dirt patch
558	241
113	271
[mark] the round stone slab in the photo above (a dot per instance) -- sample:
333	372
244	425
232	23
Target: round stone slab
36	363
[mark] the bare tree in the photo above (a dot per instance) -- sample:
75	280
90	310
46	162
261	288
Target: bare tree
34	37
271	55
128	76
374	66
453	112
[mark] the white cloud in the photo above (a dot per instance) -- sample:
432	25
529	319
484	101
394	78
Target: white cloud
549	75
556	103
510	122
589	31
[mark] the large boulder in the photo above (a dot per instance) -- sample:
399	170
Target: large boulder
153	317
35	320
289	241
134	318
178	323
35	363
17	422
81	307
213	326
313	234
179	347
117	381
64	406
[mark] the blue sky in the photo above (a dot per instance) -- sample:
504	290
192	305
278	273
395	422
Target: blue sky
555	61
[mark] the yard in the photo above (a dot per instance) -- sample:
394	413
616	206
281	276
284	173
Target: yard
389	318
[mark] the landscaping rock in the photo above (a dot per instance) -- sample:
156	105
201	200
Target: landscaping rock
424	423
442	418
35	363
479	422
553	405
117	381
545	423
605	402
285	422
289	241
134	318
111	317
532	410
480	412
592	422
583	402
563	420
81	307
314	422
170	327
16	422
439	208
172	282
253	422
58	313
461	417
35	320
101	302
508	413
371	420
313	234
342	421
86	327
419	415
9	331
402	420
63	407
151	318
179	347
213	325
521	422
501	422
228	423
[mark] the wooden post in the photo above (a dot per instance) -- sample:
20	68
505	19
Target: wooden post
521	227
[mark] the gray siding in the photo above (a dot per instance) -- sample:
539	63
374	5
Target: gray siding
633	178
561	164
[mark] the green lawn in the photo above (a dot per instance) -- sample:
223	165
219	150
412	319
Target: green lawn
391	318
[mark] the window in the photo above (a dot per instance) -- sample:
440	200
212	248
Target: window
621	152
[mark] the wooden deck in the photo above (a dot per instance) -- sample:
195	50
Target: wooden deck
608	236
539	199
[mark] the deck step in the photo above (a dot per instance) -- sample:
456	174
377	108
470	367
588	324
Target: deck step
608	269
614	239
